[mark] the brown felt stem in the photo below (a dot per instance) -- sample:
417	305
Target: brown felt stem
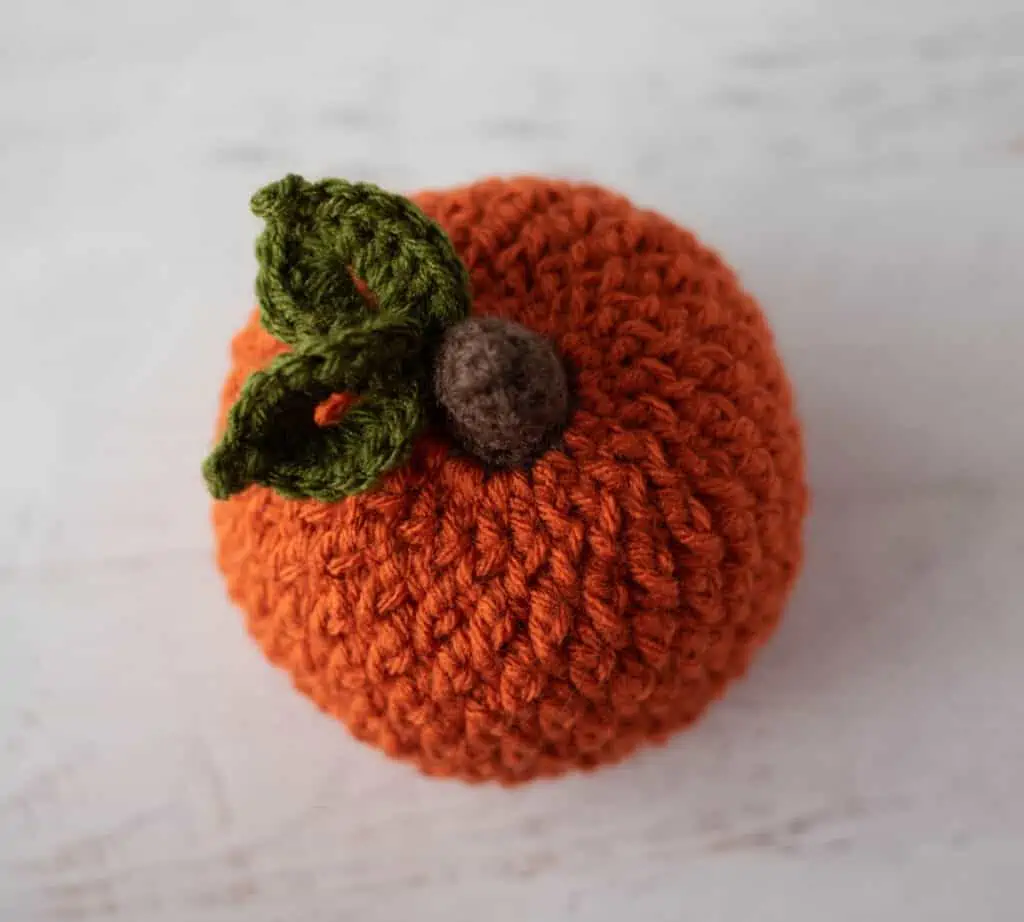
503	389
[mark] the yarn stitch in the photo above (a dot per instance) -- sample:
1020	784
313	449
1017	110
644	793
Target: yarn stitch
510	624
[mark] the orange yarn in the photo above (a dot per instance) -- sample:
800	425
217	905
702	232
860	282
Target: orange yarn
515	624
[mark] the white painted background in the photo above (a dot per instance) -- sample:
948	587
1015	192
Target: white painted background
861	162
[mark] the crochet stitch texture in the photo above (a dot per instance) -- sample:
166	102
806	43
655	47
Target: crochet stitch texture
508	624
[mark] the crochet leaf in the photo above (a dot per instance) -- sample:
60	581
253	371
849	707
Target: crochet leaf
272	438
319	235
318	239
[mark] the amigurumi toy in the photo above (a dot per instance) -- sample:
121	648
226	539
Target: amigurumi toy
508	477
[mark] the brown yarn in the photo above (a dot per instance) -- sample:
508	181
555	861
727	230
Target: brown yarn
503	389
516	623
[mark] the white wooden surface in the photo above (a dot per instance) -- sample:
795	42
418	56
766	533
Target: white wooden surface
862	163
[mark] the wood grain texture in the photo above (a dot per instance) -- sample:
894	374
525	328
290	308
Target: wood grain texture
862	164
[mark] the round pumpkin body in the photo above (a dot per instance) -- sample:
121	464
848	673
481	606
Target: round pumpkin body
507	624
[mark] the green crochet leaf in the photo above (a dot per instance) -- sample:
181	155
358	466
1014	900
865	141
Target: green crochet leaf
272	439
320	237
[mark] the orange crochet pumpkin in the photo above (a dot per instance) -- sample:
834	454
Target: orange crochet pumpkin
510	622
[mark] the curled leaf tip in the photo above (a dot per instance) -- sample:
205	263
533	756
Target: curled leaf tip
274	198
318	238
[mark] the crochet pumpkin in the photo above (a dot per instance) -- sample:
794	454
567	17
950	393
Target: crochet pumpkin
509	479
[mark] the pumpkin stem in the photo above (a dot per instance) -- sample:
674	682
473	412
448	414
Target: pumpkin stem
503	389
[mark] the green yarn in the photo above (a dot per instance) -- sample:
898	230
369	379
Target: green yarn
318	238
319	235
